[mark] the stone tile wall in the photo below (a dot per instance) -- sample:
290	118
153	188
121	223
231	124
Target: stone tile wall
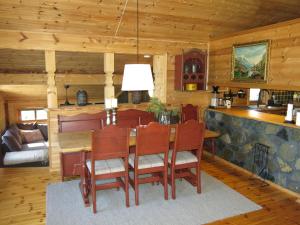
239	135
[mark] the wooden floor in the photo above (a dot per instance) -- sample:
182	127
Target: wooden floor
22	196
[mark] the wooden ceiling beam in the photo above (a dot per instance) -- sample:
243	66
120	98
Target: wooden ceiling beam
91	43
61	79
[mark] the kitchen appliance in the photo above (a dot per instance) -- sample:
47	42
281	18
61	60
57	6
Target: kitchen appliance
214	99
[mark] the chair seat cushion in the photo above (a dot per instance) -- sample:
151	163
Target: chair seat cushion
106	166
147	161
182	157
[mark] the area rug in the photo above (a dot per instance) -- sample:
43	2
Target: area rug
217	201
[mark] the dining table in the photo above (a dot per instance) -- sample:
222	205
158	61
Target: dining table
80	141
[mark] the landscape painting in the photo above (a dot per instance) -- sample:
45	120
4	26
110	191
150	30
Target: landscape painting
250	62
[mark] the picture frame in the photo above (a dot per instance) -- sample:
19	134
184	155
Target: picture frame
250	62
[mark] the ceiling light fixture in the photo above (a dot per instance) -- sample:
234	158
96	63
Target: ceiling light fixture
137	77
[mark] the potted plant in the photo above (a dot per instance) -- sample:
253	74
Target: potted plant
156	106
174	115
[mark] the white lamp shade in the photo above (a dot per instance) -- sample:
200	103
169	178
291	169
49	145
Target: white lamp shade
137	77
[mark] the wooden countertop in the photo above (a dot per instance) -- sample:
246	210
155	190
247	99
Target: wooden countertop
255	115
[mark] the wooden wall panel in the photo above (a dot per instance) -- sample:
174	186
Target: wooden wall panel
2	114
22	61
284	61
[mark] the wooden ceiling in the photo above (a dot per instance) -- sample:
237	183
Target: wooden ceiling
191	20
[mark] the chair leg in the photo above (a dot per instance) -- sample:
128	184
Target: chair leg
136	188
127	190
213	147
166	183
94	196
118	188
173	183
198	178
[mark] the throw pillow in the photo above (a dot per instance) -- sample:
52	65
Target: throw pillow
30	136
44	130
27	126
11	143
15	131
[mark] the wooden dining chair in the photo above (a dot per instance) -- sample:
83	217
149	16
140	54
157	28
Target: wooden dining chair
186	154
109	160
151	140
189	112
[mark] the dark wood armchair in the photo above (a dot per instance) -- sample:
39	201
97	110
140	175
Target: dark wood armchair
109	159
151	141
187	154
189	112
132	118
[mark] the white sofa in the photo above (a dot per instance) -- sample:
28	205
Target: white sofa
30	153
17	151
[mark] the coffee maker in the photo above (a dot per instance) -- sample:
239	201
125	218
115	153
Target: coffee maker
214	99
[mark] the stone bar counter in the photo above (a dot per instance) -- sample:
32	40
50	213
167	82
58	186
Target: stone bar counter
241	129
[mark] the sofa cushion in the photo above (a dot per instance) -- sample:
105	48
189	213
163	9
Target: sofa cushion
11	142
35	146
31	136
27	126
16	132
44	130
13	158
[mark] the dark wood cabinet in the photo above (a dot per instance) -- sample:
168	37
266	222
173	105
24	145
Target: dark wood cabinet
70	164
190	71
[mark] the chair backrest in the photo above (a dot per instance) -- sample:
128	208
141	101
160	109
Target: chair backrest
146	118
110	142
152	139
189	112
189	136
81	122
133	117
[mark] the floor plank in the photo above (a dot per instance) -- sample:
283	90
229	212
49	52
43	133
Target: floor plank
23	190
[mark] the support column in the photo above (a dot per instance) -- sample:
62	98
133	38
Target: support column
109	89
51	86
160	69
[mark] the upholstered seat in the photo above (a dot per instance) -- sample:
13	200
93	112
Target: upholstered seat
181	157
146	161
106	166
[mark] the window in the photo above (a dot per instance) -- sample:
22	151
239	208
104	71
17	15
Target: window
33	114
254	93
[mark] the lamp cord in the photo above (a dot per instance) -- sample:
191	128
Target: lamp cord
137	31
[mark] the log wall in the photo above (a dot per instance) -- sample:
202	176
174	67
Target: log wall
2	114
284	61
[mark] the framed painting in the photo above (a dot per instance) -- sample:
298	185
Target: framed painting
250	62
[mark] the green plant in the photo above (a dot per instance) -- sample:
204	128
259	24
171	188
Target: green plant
175	111
156	106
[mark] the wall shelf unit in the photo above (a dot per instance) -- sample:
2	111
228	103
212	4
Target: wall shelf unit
190	71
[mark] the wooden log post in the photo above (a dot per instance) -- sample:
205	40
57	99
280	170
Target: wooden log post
51	86
160	69
109	90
